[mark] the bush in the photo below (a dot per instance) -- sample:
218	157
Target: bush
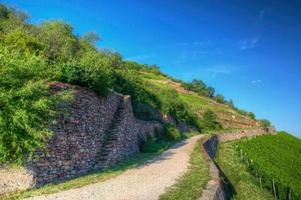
220	98
265	123
252	115
209	121
88	73
172	133
26	108
155	145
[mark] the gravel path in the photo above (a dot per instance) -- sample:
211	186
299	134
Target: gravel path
146	182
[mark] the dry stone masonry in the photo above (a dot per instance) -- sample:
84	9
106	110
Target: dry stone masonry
95	134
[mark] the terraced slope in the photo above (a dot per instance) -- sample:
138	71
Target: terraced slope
228	117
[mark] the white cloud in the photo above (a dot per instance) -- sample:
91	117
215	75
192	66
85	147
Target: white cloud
248	43
255	82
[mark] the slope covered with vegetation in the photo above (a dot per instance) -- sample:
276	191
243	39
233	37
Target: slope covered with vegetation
275	161
33	56
238	182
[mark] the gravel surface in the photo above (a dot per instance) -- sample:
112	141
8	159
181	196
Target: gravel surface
146	182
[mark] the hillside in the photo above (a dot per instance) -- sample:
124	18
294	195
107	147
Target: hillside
34	56
69	108
229	118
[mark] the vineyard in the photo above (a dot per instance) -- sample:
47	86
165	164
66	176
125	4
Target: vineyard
275	161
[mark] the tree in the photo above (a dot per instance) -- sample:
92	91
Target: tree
265	123
210	92
91	38
60	43
199	87
187	86
4	11
131	65
252	115
220	98
231	104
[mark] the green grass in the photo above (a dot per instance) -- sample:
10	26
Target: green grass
241	185
161	85
202	103
147	75
87	179
191	184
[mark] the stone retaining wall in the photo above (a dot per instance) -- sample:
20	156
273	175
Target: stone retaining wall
78	138
214	190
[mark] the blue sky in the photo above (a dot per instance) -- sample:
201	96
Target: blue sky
248	50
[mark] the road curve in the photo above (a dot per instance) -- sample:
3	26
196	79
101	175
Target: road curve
146	182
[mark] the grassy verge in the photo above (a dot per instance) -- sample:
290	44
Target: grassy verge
240	184
87	179
191	184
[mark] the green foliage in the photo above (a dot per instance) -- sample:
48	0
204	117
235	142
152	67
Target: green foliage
167	100
265	122
238	182
172	133
219	98
58	39
23	42
11	19
91	38
129	82
275	158
155	145
32	56
231	104
209	121
91	70
210	92
26	107
200	88
252	115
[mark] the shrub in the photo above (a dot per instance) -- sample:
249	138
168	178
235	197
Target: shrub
155	145
59	41
209	121
220	98
172	133
252	115
89	71
265	123
26	108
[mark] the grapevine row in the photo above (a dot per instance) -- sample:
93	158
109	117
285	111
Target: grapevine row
276	163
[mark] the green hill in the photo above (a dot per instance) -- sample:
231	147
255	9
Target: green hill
33	56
